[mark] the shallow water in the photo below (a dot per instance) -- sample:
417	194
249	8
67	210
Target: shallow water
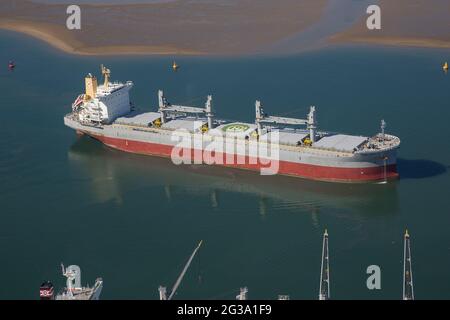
337	16
134	220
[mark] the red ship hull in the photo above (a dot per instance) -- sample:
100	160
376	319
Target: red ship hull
307	171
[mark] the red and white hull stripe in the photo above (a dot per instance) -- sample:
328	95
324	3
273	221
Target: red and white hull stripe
308	171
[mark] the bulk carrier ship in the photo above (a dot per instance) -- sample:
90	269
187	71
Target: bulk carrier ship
105	113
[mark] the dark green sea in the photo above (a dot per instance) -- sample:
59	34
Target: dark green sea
134	220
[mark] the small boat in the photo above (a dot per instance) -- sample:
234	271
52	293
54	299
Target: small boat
11	65
175	66
74	290
445	67
46	291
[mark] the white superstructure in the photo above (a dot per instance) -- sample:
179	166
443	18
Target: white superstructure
103	103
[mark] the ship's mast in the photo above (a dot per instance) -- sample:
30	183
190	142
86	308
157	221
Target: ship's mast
324	291
312	123
162	102
208	111
408	289
383	126
261	118
106	74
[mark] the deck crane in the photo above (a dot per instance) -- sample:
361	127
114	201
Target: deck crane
106	74
163	290
311	123
166	107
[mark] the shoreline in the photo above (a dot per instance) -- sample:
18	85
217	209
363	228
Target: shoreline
400	42
197	27
63	41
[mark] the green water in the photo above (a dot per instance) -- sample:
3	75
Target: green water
134	220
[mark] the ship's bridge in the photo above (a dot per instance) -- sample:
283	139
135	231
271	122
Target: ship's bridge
103	103
112	88
103	90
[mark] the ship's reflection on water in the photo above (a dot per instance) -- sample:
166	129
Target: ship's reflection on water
106	169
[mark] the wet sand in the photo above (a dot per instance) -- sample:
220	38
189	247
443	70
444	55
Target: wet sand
222	27
418	23
66	42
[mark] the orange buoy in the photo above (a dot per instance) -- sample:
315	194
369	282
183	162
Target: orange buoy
175	67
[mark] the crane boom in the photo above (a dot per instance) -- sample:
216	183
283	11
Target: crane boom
408	288
284	120
180	278
184	109
324	293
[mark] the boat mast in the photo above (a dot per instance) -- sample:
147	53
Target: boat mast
162	290
324	291
408	289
